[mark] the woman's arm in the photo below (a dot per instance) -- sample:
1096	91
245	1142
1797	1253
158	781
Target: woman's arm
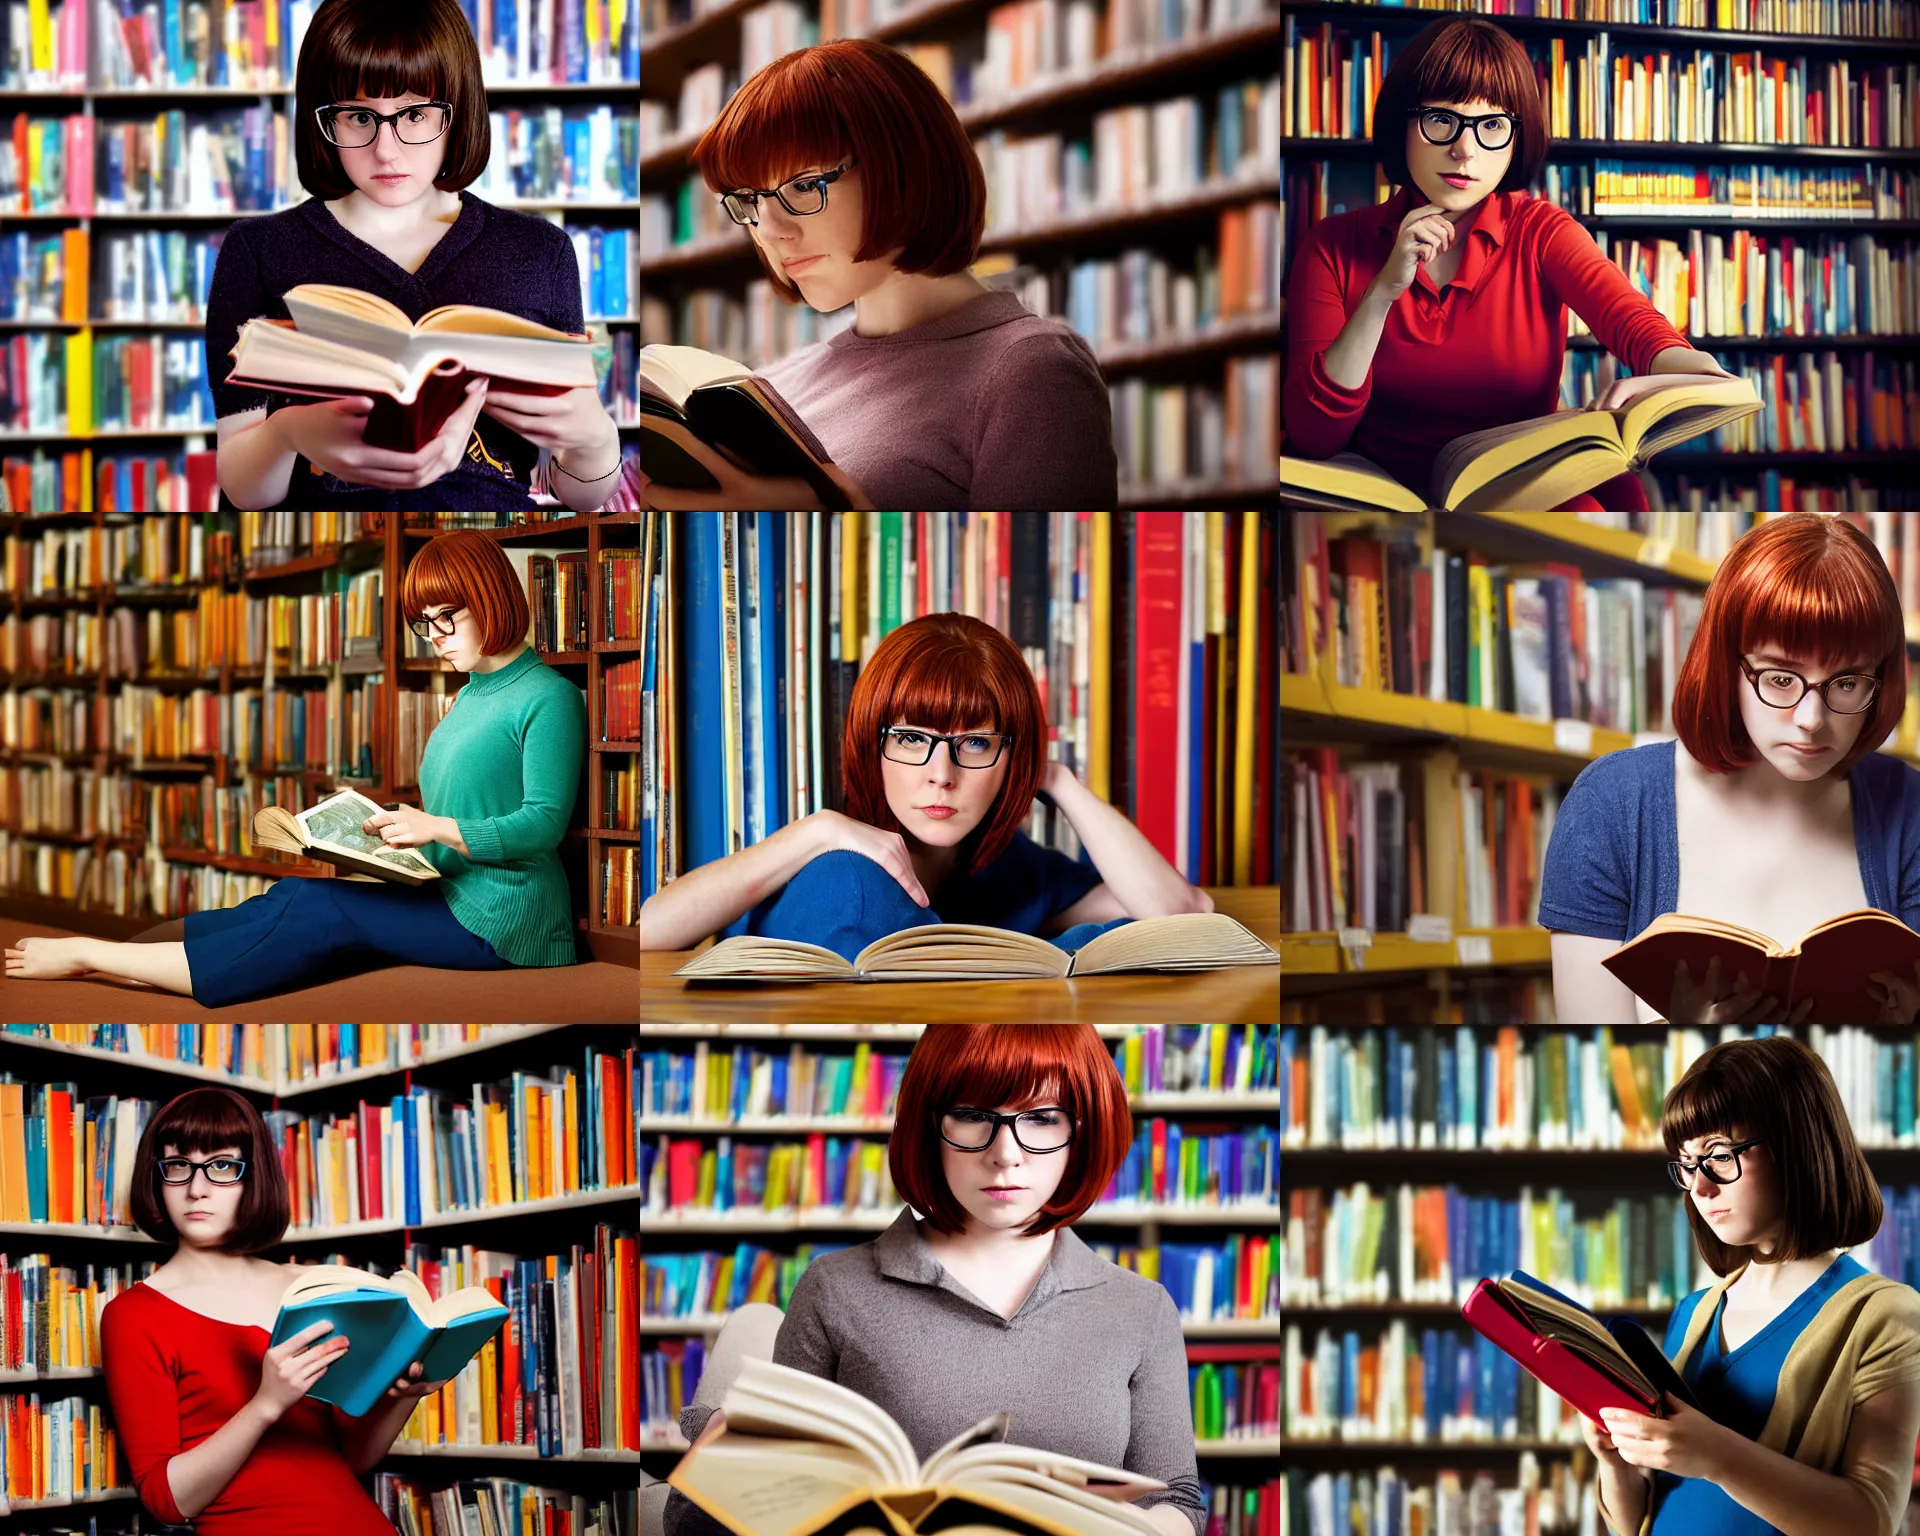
253	462
196	1477
1584	990
1146	884
683	912
598	464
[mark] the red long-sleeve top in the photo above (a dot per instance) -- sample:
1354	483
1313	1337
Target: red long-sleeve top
1484	351
175	1376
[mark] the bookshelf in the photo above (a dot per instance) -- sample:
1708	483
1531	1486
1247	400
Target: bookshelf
105	1065
1204	345
382	543
1243	1460
522	94
1795	455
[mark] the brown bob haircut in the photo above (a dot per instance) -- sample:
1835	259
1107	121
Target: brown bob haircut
947	672
197	1122
1777	1091
1019	1065
375	48
1811	587
921	183
1463	58
468	570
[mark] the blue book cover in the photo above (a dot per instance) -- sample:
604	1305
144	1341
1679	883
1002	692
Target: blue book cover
390	1322
36	1136
405	1108
703	790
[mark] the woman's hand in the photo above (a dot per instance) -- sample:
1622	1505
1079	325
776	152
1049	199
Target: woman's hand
741	490
572	421
1710	1003
1600	1443
1057	777
332	435
1424	234
291	1368
1899	998
887	849
410	1385
1686	1443
408	827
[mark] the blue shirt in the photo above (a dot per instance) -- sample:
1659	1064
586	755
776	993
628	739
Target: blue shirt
1736	1389
1613	864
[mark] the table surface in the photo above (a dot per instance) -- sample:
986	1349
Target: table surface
1243	994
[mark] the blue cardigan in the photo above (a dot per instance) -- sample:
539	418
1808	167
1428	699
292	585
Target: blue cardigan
1613	863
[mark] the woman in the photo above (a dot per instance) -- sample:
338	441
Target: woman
943	751
216	1427
1772	810
859	186
390	124
1796	1346
974	1303
1391	361
497	785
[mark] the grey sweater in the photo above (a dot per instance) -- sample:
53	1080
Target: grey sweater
989	406
1092	1365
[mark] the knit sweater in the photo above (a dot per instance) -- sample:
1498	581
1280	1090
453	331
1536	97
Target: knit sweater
498	257
505	764
1865	1339
987	406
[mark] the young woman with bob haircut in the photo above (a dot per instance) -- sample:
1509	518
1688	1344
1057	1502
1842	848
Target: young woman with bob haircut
943	751
217	1427
1807	1365
497	787
1444	309
858	186
975	1303
390	125
1772	810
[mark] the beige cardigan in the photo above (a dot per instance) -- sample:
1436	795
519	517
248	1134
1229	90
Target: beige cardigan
1865	1339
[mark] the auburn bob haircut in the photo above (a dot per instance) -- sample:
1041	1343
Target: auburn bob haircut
468	570
947	672
197	1122
374	48
1777	1091
1019	1065
1809	586
920	179
1464	58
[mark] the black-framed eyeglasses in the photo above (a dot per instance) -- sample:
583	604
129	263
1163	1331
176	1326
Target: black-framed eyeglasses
1723	1167
1779	688
1047	1128
1494	130
441	623
220	1170
802	195
977	749
357	127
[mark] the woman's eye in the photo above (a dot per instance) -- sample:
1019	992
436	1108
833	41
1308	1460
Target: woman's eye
975	743
912	738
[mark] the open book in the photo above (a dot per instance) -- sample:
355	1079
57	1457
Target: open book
1563	1346
331	831
1532	466
799	1454
342	341
688	394
1187	941
1832	962
391	1322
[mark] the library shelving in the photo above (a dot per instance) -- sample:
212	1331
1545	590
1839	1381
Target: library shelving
40	869
93	1078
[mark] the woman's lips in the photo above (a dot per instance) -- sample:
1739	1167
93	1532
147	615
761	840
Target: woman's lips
1794	746
398	176
1458	181
801	266
1003	1194
937	812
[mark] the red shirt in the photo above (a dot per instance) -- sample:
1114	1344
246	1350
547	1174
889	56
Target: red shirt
1484	351
175	1376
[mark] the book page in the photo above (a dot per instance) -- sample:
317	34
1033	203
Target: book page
335	823
749	955
678	371
962	951
761	1486
1183	941
824	1410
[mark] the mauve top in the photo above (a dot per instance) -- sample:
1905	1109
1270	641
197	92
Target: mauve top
1093	1364
498	257
987	406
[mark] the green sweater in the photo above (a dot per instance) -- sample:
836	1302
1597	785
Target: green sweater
505	764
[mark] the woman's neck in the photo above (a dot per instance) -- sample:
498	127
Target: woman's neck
908	299
504	659
365	217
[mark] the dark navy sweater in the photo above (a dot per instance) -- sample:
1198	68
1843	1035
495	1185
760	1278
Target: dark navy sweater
493	256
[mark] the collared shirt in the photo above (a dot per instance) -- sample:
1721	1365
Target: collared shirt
1483	351
1093	1364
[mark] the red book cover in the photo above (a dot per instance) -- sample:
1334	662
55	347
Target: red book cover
627	1322
508	1339
1582	1383
1266	700
1157	660
372	1208
625	1121
589	1276
59	1155
683	1172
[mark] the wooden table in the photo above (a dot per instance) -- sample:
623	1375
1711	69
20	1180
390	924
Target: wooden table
1243	994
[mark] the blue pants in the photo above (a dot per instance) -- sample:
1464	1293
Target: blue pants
300	929
843	901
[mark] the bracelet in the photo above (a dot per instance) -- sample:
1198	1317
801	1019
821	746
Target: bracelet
576	478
